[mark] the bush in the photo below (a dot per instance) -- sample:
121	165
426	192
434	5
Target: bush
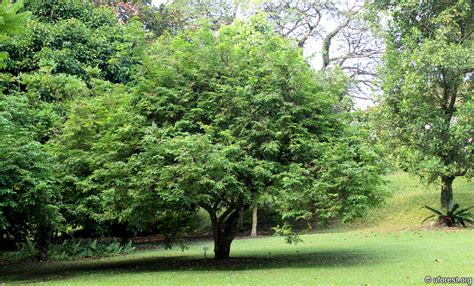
453	216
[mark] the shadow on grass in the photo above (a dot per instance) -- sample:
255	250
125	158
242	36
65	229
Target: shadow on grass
36	272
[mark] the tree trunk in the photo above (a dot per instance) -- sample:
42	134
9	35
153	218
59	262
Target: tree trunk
225	229
224	233
222	248
447	192
241	218
43	238
253	233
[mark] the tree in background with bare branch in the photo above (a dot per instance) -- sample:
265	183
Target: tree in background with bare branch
333	34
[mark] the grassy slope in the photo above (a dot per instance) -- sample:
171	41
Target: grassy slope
403	210
387	254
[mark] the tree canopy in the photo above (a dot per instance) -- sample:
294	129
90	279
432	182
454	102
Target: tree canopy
224	116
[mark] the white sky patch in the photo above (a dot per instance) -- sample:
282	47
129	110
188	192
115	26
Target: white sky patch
158	2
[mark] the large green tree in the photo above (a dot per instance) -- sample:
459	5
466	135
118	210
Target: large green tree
240	112
428	106
216	119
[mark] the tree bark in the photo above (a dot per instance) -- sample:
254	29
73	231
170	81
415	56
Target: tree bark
222	248
253	233
43	239
446	192
225	229
241	218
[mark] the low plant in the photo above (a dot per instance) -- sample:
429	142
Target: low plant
26	249
75	248
454	216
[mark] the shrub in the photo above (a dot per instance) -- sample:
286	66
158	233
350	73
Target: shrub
76	248
453	217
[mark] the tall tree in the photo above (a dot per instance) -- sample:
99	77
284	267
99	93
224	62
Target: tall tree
427	77
333	34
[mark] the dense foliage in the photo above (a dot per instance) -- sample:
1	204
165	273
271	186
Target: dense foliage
61	55
106	133
27	191
75	38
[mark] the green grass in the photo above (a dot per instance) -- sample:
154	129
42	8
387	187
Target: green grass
353	258
389	247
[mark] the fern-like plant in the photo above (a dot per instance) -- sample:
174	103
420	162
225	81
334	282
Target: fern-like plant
11	21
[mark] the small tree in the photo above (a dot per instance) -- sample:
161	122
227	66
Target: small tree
428	108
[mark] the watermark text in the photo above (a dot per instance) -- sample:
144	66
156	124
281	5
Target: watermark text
448	280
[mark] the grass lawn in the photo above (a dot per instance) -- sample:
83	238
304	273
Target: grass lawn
386	248
349	258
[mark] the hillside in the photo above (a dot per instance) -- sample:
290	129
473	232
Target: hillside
403	210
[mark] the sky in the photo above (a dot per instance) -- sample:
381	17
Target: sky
158	2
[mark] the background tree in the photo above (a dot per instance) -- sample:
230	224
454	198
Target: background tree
72	37
427	108
67	52
333	34
27	191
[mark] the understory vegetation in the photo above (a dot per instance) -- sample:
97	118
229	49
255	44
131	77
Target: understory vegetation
73	249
